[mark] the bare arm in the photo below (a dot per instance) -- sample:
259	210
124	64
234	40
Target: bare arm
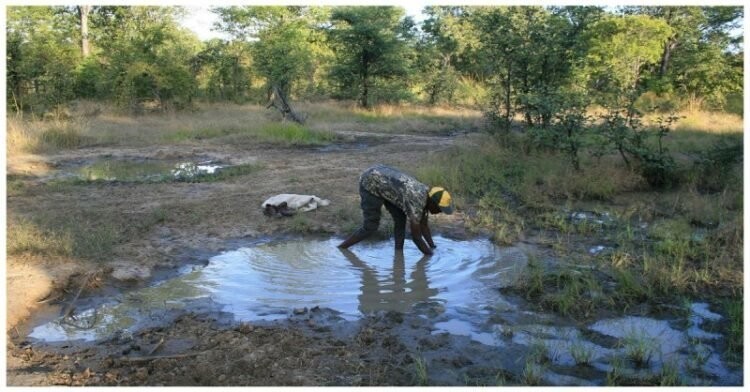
416	236
426	231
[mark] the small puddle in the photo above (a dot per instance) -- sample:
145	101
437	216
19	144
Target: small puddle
456	290
187	170
135	169
342	147
266	281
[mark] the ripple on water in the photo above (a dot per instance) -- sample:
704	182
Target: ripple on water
267	280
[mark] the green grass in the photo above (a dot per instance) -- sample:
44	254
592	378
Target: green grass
638	348
734	312
669	376
63	137
615	376
300	224
287	134
630	289
81	236
294	134
420	370
532	373
566	291
691	244
24	236
582	354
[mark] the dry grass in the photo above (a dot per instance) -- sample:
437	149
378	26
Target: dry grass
36	136
387	118
708	122
26	237
89	123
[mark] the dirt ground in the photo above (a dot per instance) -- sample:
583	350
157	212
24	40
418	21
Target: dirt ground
314	348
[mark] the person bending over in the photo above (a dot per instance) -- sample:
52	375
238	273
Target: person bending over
406	199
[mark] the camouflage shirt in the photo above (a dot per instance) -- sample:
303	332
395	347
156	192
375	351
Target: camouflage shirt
402	190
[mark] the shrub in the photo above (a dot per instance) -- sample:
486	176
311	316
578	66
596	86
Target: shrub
714	168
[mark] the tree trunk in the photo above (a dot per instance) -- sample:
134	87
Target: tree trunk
364	74
83	13
279	101
507	97
666	56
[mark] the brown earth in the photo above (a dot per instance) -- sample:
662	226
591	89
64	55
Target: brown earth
204	217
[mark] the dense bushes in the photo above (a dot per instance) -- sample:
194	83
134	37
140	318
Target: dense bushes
536	62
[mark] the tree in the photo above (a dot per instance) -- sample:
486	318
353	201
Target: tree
371	46
41	57
223	70
83	13
696	60
619	48
282	40
148	56
689	25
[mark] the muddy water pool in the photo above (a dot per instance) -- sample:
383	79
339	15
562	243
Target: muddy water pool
271	279
457	289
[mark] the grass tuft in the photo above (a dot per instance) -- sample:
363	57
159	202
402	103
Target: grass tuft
294	134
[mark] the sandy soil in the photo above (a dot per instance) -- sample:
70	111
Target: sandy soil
203	218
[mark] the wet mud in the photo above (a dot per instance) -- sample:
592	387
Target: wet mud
299	311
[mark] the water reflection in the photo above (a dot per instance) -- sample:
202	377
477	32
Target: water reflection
394	292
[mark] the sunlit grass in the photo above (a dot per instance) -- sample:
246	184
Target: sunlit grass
26	237
37	136
420	370
51	235
228	123
294	134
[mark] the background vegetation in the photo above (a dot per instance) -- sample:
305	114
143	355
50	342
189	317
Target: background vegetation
533	61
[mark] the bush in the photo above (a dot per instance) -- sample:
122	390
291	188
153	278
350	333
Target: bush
715	167
659	170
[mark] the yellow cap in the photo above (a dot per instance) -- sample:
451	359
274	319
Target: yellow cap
442	198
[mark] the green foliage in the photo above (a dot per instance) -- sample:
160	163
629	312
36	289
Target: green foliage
571	126
41	57
285	44
700	60
223	70
148	57
734	310
619	48
371	46
533	61
719	165
656	165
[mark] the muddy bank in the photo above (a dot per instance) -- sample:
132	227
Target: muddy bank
315	348
449	322
318	347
